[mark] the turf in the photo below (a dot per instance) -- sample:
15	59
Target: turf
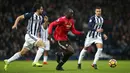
70	67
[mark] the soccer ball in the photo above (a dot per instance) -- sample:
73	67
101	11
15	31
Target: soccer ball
112	63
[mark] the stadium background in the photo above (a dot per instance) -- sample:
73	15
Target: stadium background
115	12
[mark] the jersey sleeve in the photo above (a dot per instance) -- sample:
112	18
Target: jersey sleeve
59	21
91	23
27	15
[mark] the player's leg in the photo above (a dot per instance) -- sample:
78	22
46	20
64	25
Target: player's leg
87	43
47	48
82	54
18	55
66	52
39	43
15	57
45	57
99	46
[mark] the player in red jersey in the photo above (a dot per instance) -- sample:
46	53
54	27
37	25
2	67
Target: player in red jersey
63	26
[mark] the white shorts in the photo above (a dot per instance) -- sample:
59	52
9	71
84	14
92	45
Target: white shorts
29	41
47	45
90	40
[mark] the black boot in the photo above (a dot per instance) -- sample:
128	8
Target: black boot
94	66
59	66
79	66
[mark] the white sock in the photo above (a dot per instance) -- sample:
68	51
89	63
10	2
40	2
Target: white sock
82	54
38	54
99	51
14	57
45	58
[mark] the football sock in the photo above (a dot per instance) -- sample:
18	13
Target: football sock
45	58
99	50
14	57
82	54
38	55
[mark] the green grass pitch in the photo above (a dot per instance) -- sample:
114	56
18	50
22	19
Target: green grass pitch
70	67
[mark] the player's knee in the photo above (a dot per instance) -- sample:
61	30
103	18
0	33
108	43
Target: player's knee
23	51
40	44
85	48
41	49
71	50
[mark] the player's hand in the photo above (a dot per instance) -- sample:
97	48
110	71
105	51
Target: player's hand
83	33
50	38
14	27
99	30
105	37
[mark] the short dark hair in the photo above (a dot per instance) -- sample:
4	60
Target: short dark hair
37	6
67	10
97	7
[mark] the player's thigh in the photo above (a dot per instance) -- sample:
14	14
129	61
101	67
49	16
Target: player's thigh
66	46
88	42
24	51
35	41
70	49
29	42
99	43
39	43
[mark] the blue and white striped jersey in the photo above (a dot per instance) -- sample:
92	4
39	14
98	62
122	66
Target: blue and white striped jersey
95	23
34	23
44	33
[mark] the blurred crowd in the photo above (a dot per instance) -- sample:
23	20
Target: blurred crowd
115	13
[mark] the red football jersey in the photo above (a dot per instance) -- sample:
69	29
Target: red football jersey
63	26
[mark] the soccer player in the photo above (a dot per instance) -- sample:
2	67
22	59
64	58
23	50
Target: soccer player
44	37
94	36
31	39
63	26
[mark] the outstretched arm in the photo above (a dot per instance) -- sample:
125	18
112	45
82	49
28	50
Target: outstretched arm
21	17
104	32
74	31
17	21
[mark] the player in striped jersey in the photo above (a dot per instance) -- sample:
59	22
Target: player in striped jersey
34	22
44	37
94	35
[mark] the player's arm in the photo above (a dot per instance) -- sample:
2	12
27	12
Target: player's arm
53	24
74	31
45	24
90	24
104	32
21	17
